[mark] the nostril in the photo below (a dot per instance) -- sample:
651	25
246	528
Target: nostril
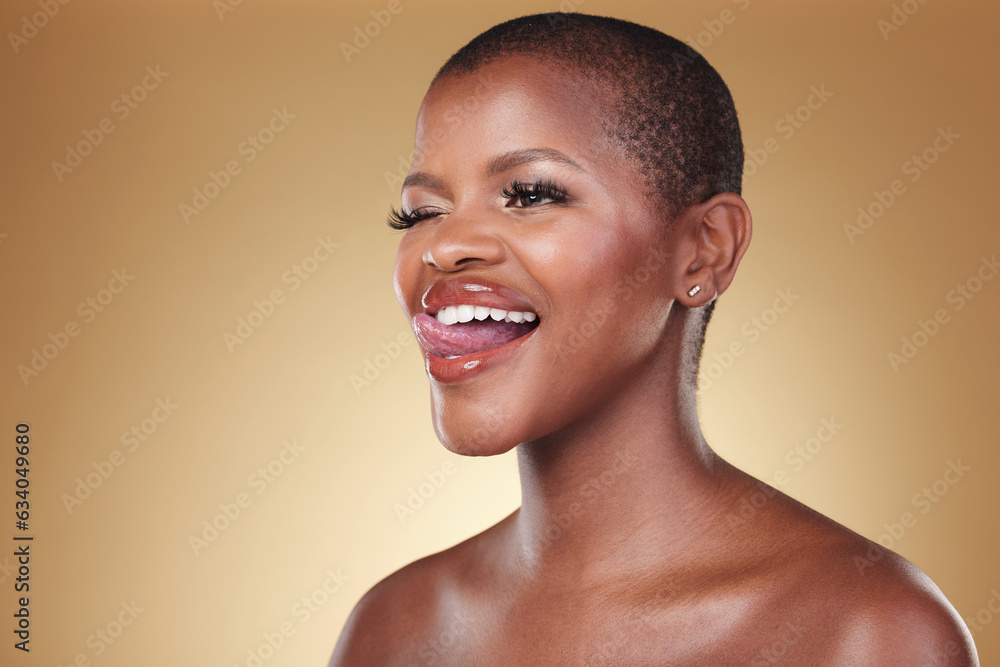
458	242
444	262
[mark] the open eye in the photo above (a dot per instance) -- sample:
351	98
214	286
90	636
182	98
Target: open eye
527	195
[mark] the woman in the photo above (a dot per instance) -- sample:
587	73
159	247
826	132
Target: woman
572	214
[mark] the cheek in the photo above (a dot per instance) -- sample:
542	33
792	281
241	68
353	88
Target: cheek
612	300
570	258
406	273
587	275
637	301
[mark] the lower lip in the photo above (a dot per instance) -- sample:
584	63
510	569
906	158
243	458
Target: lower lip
449	371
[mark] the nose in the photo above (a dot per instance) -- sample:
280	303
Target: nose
460	242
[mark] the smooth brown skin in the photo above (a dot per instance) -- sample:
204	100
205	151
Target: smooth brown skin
629	547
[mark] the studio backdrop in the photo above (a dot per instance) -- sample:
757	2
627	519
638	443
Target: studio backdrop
214	419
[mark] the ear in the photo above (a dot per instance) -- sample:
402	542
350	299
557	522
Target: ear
711	239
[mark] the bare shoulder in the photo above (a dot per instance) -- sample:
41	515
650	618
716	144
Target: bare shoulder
381	621
868	605
411	616
900	616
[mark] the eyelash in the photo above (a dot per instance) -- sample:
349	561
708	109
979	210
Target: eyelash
402	219
545	189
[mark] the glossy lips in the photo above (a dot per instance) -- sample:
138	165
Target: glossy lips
470	326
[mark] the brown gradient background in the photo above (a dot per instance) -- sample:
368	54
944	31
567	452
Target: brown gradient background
324	175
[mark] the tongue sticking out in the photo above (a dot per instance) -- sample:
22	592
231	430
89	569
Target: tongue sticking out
456	340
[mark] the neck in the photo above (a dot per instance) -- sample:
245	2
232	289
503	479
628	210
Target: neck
635	483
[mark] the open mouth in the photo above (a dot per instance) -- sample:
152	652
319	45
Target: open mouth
464	329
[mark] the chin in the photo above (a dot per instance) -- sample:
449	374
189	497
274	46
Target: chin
474	431
475	441
465	447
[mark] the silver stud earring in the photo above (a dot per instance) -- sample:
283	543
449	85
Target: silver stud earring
694	290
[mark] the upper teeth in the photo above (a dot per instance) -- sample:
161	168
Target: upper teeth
465	313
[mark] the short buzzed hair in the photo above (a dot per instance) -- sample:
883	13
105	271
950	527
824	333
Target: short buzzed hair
670	111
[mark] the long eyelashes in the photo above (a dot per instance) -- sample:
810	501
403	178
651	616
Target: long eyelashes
403	219
533	194
518	194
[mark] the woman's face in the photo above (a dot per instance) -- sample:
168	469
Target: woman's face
525	207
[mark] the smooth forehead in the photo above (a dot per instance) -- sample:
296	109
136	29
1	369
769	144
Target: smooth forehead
514	102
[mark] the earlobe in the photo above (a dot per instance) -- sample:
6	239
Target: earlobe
721	228
698	296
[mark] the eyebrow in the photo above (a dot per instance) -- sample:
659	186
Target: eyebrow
508	161
497	165
420	179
